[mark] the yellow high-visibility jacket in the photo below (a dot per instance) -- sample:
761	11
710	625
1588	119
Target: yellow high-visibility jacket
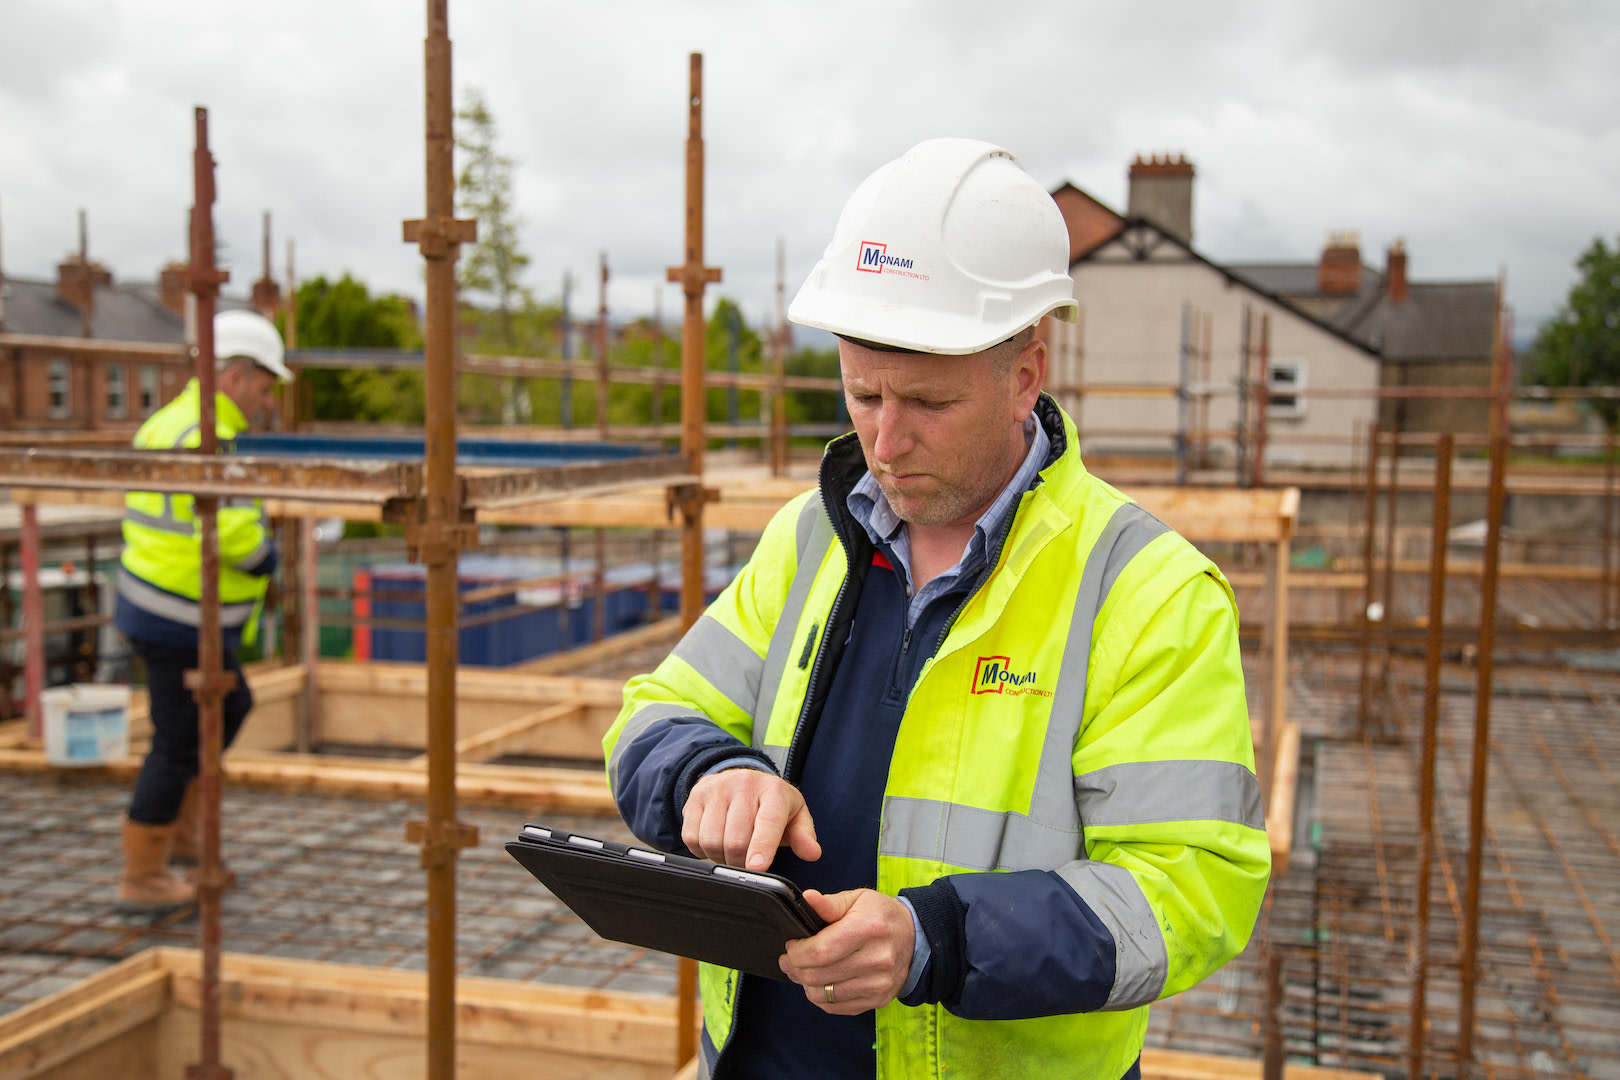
1080	733
161	578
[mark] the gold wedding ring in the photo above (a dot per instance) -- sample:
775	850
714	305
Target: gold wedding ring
831	997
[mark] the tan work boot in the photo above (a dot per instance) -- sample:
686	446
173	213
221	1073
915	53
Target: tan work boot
146	885
187	847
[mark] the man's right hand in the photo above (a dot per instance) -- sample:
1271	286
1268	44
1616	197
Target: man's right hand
741	816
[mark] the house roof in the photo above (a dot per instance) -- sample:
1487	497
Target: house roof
1438	321
123	312
1091	224
1163	237
1445	321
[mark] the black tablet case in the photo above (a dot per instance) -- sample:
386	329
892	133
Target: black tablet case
678	906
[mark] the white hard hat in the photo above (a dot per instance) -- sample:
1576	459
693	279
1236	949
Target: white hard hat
951	249
249	334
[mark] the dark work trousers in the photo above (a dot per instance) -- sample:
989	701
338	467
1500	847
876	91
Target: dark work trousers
173	760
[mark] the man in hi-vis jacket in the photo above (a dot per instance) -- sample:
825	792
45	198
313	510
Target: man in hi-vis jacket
983	708
159	584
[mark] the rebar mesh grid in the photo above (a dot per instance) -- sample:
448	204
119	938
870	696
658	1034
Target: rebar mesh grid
318	878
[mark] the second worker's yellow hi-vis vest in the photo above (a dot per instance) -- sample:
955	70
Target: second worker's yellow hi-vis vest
162	561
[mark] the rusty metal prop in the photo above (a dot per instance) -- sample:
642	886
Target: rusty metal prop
436	538
1387	590
1370	524
1262	401
1495	508
33	621
210	682
779	349
1276	986
692	276
1431	720
1608	526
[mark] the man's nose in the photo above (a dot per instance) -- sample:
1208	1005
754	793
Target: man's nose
893	432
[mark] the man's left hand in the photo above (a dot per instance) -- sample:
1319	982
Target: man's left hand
864	953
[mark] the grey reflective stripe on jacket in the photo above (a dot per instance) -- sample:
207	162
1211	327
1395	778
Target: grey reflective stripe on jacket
178	608
814	537
1145	792
1141	964
644	718
168	522
724	661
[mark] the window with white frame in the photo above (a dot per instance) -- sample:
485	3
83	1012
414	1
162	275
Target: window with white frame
149	389
59	389
1286	389
117	392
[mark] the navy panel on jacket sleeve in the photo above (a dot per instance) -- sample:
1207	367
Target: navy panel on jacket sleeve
1029	946
266	564
659	767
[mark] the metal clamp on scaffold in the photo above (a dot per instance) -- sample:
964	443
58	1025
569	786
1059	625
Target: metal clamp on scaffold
436	236
440	840
688	498
434	543
217	685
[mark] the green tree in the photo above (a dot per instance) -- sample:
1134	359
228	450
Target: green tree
343	314
495	266
1580	344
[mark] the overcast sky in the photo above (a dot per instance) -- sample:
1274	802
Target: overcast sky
1486	133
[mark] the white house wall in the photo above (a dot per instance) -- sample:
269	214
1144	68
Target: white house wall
1130	334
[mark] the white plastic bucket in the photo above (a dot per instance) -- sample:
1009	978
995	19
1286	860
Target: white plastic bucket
85	724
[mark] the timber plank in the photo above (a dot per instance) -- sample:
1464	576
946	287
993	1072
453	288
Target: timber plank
1284	786
597	651
64	1027
1181	1065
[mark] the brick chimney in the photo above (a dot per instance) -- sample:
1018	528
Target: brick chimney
266	297
1339	273
1395	273
74	285
1161	190
172	286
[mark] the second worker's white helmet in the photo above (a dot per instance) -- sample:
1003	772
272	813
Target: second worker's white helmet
249	334
951	248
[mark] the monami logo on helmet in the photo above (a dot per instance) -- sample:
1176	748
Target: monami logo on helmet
875	259
994	675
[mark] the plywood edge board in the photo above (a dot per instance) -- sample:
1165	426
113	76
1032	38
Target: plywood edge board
488	785
410	680
1181	1065
74	1021
510	737
606	649
491	1012
1284	785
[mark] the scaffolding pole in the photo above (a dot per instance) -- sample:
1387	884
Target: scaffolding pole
436	539
1495	509
210	682
692	276
1435	641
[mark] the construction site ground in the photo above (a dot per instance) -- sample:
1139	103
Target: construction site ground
333	879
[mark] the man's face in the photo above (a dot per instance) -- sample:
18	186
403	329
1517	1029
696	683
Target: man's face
942	435
253	390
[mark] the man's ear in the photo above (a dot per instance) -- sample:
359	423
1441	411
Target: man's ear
1029	377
